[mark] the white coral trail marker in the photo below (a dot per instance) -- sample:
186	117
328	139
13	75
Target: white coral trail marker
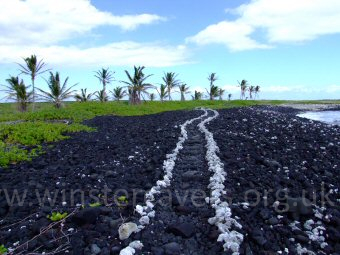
146	212
223	220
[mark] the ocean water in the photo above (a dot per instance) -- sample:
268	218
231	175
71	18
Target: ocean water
329	117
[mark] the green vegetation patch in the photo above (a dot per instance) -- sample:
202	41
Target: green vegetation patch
3	249
13	154
21	141
35	133
57	216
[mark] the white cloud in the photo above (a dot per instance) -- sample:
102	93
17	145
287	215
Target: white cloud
332	88
281	21
41	27
236	35
118	54
45	22
292	20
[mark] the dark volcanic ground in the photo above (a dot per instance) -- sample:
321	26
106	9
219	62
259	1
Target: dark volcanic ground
268	154
126	153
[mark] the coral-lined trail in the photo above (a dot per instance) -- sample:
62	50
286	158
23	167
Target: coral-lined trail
180	224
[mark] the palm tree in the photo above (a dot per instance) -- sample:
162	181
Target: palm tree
251	90
57	92
229	96
17	90
170	82
101	96
152	97
137	85
105	77
183	89
163	92
197	96
220	93
33	68
212	78
257	91
243	85
118	93
83	97
213	92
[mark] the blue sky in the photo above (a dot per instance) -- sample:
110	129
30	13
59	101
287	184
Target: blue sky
290	48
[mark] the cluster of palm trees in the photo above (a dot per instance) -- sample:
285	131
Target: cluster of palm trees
23	95
136	87
18	91
252	90
214	91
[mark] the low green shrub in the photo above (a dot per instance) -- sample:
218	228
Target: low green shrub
96	204
14	154
57	216
3	250
34	133
17	140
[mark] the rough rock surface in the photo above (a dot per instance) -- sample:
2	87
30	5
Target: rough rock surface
125	153
271	155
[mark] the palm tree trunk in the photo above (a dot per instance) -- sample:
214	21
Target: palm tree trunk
182	97
33	96
130	96
139	97
133	98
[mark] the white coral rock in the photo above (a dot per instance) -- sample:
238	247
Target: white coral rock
126	229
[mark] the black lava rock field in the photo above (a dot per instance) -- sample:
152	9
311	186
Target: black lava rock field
283	179
282	186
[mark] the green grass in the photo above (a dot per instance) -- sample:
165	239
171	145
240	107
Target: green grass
21	141
78	112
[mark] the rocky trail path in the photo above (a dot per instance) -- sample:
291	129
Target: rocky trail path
180	224
181	221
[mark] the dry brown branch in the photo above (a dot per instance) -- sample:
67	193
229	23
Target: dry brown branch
44	230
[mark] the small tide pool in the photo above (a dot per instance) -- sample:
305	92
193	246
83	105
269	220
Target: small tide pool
329	117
